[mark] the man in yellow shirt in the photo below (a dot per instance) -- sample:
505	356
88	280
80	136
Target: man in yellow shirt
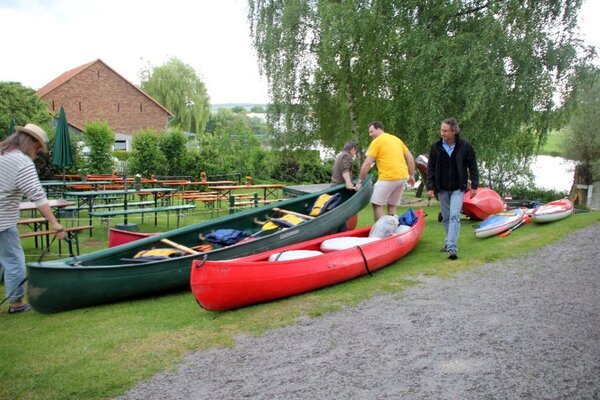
396	167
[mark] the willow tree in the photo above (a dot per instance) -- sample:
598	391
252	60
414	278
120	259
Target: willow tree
334	66
176	86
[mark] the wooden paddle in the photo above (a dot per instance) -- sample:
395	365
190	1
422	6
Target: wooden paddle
297	214
179	246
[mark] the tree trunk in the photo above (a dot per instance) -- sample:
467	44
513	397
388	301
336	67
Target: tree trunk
582	176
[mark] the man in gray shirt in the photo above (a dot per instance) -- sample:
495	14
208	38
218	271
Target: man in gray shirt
342	168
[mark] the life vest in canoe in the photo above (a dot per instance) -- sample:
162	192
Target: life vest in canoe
156	254
287	221
226	237
324	203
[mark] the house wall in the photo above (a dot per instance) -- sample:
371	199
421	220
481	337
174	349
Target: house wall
99	94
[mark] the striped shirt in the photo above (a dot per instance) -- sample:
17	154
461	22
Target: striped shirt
18	178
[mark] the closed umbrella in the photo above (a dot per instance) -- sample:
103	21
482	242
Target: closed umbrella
11	126
62	153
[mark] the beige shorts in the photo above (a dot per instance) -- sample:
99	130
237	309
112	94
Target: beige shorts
388	192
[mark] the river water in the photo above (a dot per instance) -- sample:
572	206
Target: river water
554	173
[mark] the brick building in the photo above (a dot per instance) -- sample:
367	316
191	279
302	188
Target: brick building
96	92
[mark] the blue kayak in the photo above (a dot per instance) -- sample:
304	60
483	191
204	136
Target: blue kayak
499	222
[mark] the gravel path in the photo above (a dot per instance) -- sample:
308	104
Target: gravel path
524	328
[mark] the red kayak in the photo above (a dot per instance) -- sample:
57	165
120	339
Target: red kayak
553	211
486	203
298	268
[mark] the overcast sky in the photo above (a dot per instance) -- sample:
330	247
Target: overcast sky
41	39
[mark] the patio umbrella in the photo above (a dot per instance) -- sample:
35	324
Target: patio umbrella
62	153
11	126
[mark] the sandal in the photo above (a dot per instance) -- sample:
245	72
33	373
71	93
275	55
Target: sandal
20	309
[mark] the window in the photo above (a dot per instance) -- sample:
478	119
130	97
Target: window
120	145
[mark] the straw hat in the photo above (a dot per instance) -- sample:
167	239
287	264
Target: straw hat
36	132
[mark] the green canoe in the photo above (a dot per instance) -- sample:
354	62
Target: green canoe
111	275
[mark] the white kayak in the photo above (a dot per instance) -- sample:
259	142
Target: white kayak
499	222
553	211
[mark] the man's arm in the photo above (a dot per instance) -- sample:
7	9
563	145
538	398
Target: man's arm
410	162
364	169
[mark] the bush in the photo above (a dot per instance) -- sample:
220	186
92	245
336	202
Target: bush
536	194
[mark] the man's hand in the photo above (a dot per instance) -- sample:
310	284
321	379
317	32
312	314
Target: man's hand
430	194
60	231
473	192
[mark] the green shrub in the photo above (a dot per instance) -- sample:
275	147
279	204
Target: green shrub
536	194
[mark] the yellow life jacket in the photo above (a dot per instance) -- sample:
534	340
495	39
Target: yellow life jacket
158	253
287	221
325	202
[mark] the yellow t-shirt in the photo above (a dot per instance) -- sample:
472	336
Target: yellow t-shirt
388	152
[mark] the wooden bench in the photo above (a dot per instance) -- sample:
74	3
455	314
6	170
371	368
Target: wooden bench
120	205
155	210
71	236
35	223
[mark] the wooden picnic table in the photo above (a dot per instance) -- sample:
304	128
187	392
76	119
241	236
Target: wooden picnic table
268	189
88	197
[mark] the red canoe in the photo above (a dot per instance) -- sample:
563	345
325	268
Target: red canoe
486	203
223	285
118	237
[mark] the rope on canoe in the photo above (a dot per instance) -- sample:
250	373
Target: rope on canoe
365	260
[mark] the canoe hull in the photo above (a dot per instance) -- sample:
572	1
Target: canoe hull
486	203
117	237
498	223
224	285
553	211
104	277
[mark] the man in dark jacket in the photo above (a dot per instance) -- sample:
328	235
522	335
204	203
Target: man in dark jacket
452	162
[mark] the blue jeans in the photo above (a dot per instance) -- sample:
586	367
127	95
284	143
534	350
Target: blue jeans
451	205
12	259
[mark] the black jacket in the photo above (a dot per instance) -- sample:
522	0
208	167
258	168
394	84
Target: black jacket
466	163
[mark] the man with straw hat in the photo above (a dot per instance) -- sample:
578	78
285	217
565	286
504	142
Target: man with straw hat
19	177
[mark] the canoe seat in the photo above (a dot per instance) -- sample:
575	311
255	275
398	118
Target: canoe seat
294	255
345	242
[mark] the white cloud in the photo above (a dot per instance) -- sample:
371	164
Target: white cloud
53	36
40	39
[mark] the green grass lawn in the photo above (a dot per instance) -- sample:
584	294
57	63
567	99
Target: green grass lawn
555	144
100	352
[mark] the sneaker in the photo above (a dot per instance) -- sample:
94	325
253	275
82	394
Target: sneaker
20	309
444	249
452	255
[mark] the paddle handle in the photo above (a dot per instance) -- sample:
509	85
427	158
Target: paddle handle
179	246
293	213
509	231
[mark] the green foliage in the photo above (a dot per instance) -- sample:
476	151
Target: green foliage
173	145
583	142
333	67
43	162
300	166
535	194
121	155
177	86
555	143
146	157
99	138
23	105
